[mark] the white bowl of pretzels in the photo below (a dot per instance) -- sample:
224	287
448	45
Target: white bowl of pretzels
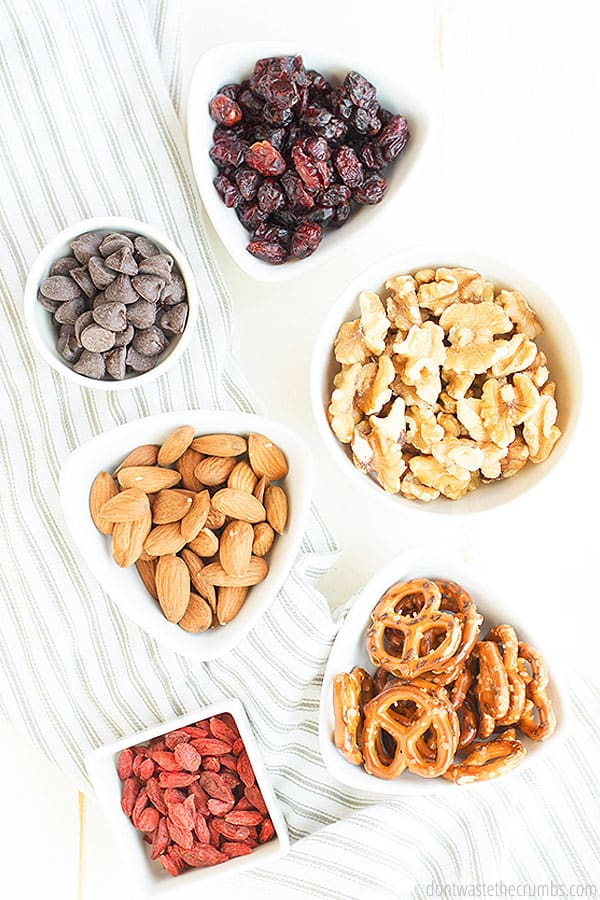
429	688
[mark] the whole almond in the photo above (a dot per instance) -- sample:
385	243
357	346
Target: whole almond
146	570
172	586
220	444
164	540
175	445
266	458
186	466
103	489
229	602
239	505
128	539
276	505
170	506
215	519
128	506
214	470
263	539
145	455
148	478
216	574
261	486
198	615
235	547
206	543
242	478
201	585
195	518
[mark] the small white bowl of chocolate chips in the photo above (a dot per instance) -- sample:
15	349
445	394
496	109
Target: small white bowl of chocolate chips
110	303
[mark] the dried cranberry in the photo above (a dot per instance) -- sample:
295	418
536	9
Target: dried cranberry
228	191
305	239
278	117
224	110
323	123
360	120
297	193
251	106
288	216
270	196
273	232
348	166
247	181
269	251
317	81
250	215
230	90
385	115
263	157
341	215
228	152
317	148
222	133
371	191
371	155
360	91
342	104
321	214
315	175
393	138
336	195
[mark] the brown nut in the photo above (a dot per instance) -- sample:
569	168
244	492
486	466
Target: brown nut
263	539
235	547
276	506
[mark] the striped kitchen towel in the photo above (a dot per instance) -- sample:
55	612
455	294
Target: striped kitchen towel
89	94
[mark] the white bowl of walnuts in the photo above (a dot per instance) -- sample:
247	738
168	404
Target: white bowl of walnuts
443	376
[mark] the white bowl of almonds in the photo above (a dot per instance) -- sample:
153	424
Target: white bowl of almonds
439	375
190	521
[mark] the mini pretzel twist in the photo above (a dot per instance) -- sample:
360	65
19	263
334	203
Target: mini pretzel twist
538	701
491	687
409	636
506	637
350	693
405	716
457	601
488	759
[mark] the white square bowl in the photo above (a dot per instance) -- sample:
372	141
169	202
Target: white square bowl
234	62
124	586
349	650
148	875
39	321
557	342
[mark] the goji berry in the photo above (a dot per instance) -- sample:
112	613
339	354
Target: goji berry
215	836
228	761
230	831
199	730
131	789
171	863
230	778
176	779
266	832
211	746
238	746
182	836
214	785
201	797
243	803
146	769
155	795
137	765
201	829
140	804
231	849
166	760
244	817
181	815
173	738
148	819
245	770
172	795
211	764
220	807
187	757
124	764
254	795
220	730
227	719
160	840
202	855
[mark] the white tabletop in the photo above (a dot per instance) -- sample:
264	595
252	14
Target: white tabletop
515	91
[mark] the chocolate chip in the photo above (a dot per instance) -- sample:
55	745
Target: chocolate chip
174	292
141	314
67	344
113	241
86	246
121	290
99	299
100	274
97	339
86	318
122	261
90	364
138	362
124	337
50	305
145	248
173	318
111	316
81	277
160	264
59	287
63	265
149	341
115	363
69	312
148	286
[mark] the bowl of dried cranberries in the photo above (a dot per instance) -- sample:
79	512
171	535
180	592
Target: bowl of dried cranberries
291	143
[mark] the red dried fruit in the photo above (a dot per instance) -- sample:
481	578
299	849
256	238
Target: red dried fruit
371	191
166	760
245	770
229	776
270	196
228	761
160	839
172	795
263	157
324	123
182	836
229	193
237	848
340	215
228	152
250	215
336	195
202	855
176	779
360	91
229	722
269	251
348	166
171	863
140	805
124	764
146	769
201	829
244	803
238	746
129	794
211	764
393	138
200	798
314	174
230	831
230	90
214	785
188	757
212	746
155	795
254	795
305	239
244	817
182	816
267	831
175	737
199	730
215	836
148	819
224	110
247	181
296	191
220	807
137	765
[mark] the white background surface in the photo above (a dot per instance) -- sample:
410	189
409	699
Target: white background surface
513	172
